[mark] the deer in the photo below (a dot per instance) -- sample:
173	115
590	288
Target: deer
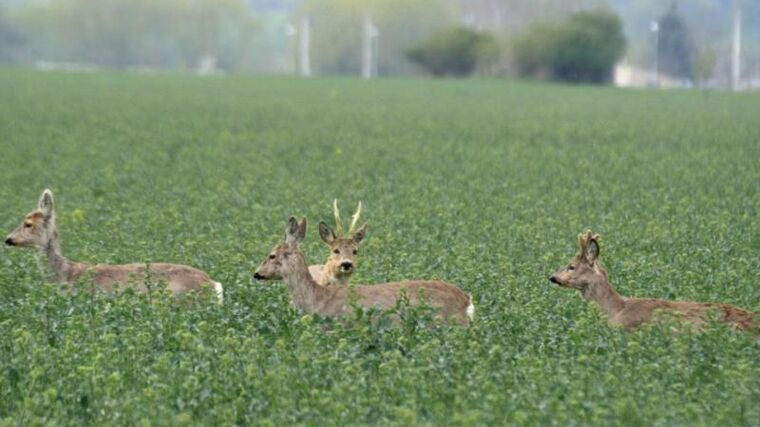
286	262
586	274
344	247
38	231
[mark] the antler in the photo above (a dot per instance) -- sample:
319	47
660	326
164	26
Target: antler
355	218
338	222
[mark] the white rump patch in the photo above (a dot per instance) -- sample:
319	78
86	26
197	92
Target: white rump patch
219	291
471	310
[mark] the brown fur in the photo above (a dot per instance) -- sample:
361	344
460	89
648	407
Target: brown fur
39	231
342	261
586	274
286	262
331	273
108	278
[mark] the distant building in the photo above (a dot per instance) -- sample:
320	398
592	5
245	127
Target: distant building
627	75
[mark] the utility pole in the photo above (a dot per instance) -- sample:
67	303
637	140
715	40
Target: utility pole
369	47
304	43
736	47
654	26
376	50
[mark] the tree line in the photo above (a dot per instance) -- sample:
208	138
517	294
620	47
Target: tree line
576	40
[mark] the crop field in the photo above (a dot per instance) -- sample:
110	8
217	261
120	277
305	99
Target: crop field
484	184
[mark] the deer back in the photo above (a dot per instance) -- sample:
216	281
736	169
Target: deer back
450	302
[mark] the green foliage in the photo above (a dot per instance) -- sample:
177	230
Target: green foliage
456	51
479	183
583	49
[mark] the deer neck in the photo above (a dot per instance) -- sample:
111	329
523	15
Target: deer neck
304	291
58	265
330	275
601	292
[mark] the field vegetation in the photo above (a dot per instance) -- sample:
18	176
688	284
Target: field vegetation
484	184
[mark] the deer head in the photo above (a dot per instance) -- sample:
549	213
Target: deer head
38	227
584	270
344	247
286	256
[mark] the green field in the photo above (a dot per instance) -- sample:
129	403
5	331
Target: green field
484	184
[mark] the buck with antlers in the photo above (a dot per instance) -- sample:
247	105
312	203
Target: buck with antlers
286	262
586	274
341	262
40	232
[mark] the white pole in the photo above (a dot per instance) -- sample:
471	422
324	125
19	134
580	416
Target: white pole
655	27
736	47
367	46
304	42
375	50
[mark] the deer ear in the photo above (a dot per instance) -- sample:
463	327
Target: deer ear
360	233
326	233
46	204
291	231
592	250
301	230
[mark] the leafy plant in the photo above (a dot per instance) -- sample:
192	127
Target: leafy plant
478	183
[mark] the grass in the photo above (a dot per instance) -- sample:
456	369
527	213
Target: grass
482	183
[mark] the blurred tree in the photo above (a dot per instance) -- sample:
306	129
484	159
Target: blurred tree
254	35
456	51
507	18
704	66
141	33
337	25
10	39
676	48
584	48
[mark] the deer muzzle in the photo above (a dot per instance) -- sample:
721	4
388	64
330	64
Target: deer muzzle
346	266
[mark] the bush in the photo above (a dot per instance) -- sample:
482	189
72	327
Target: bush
455	51
583	49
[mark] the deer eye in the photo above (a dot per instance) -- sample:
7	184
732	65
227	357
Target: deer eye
355	251
272	256
571	267
28	224
336	251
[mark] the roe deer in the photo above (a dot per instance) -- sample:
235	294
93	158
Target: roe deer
341	262
586	274
39	231
286	262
